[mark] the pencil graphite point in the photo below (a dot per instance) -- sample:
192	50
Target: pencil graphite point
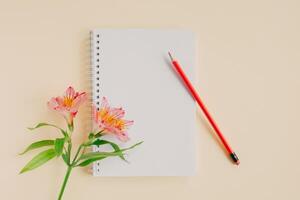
171	57
234	158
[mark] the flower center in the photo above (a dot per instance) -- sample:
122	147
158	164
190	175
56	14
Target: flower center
68	102
111	120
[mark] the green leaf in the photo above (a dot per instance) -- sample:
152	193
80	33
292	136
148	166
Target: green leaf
94	156
64	157
38	126
99	142
39	160
46	124
89	161
131	147
38	144
59	146
99	154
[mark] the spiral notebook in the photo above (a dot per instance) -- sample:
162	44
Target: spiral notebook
131	68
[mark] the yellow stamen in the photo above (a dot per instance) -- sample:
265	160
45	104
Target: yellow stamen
111	120
68	102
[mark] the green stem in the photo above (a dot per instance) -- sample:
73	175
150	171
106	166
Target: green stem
65	182
76	161
77	153
69	151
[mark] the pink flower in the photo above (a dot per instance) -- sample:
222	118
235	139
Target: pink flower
110	120
69	104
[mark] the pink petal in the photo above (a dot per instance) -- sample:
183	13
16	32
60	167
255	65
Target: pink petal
94	114
97	124
109	129
128	122
60	101
117	112
70	92
123	137
80	99
104	103
52	104
120	134
56	104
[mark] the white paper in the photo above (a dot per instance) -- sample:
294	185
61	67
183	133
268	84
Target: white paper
135	73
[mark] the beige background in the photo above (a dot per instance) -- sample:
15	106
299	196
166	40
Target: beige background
248	73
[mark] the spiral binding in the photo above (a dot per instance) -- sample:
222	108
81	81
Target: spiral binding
95	65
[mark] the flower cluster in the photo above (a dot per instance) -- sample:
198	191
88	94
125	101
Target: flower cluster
68	104
110	120
107	120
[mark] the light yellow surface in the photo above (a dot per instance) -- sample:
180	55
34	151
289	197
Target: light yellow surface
248	73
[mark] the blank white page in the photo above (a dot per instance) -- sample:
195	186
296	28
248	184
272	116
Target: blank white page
135	73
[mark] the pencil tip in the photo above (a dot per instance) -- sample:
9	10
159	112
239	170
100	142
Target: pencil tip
171	57
234	158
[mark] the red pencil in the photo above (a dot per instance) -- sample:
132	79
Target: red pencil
194	93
